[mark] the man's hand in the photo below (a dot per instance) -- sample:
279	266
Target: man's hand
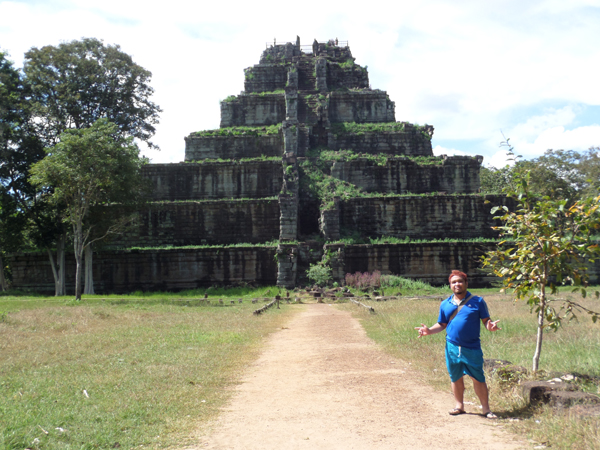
423	330
492	326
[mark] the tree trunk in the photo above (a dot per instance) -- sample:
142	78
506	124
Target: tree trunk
78	249
3	283
58	266
540	330
60	259
88	285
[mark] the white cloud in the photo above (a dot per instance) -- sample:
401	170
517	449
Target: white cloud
536	125
438	150
499	159
558	138
463	66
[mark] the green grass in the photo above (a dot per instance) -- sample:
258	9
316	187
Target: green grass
231	200
207	246
354	238
240	131
394	285
346	155
264	94
313	180
380	159
341	129
152	366
236	161
573	349
155	364
348	64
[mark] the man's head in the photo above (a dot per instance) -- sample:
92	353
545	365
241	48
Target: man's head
458	283
457	273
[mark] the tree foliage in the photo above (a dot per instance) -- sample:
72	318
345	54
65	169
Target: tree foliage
78	82
547	243
11	121
558	174
564	174
27	219
496	181
90	168
19	146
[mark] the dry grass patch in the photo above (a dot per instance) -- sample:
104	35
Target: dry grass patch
102	375
573	349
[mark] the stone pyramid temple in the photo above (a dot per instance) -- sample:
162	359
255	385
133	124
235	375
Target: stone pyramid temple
309	165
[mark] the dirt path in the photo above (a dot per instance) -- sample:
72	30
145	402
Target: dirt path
321	383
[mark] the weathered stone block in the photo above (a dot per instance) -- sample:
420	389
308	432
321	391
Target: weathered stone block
411	142
204	181
208	222
360	107
281	53
228	147
346	77
558	395
428	262
287	255
168	270
321	74
455	175
265	78
288	206
422	217
253	110
329	223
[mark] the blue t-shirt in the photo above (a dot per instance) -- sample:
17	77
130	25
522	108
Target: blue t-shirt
464	328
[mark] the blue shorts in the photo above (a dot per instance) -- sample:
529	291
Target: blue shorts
463	361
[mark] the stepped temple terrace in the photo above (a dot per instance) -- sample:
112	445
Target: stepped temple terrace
309	164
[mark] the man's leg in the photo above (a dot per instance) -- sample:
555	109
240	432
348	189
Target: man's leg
458	389
481	391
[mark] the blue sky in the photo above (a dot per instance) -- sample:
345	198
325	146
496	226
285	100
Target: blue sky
474	70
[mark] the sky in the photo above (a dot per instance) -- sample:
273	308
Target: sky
480	72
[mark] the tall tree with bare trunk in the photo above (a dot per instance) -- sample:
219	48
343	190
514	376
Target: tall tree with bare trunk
90	168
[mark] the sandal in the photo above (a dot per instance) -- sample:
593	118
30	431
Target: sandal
456	412
490	415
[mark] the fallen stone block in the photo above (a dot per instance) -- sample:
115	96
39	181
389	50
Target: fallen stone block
556	394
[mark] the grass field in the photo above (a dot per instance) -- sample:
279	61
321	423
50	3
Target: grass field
144	370
573	349
121	372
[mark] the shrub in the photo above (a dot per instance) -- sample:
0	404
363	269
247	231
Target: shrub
319	274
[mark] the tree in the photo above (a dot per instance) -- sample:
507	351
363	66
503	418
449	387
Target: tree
70	86
79	82
23	209
90	168
9	100
496	181
558	174
547	243
11	226
565	174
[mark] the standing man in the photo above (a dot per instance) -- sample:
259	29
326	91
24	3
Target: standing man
459	316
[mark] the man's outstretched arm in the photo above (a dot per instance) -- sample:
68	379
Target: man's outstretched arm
424	330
